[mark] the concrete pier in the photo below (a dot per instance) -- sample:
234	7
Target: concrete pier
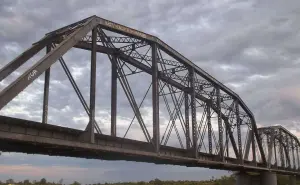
268	178
292	180
243	178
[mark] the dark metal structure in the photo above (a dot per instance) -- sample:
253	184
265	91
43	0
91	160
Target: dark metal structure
282	147
213	126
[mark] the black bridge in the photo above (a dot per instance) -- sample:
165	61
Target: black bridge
213	126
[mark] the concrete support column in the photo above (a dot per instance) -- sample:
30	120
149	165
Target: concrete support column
292	180
243	179
268	178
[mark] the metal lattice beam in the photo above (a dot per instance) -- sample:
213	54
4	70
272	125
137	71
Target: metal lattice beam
216	116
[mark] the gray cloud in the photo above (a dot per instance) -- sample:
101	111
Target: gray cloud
249	45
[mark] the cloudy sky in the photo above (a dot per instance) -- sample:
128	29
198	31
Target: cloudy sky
251	46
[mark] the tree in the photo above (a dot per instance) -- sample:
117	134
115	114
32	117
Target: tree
26	182
225	180
75	183
156	182
60	181
43	181
10	181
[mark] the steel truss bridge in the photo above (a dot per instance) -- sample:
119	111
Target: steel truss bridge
212	126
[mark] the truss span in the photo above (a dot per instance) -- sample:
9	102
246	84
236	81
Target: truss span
281	146
206	121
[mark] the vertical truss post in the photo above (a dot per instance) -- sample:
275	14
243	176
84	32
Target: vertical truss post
227	140
209	127
253	146
288	151
193	109
114	96
93	85
281	149
187	120
248	144
270	147
155	98
293	154
220	126
46	91
238	125
275	153
298	160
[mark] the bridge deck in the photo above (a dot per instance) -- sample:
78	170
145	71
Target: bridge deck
17	135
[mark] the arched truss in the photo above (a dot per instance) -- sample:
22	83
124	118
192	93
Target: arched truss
210	121
281	148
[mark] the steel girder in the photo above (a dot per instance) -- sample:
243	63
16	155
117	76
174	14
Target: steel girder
175	79
281	146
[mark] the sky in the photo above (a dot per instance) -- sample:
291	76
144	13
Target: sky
249	45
